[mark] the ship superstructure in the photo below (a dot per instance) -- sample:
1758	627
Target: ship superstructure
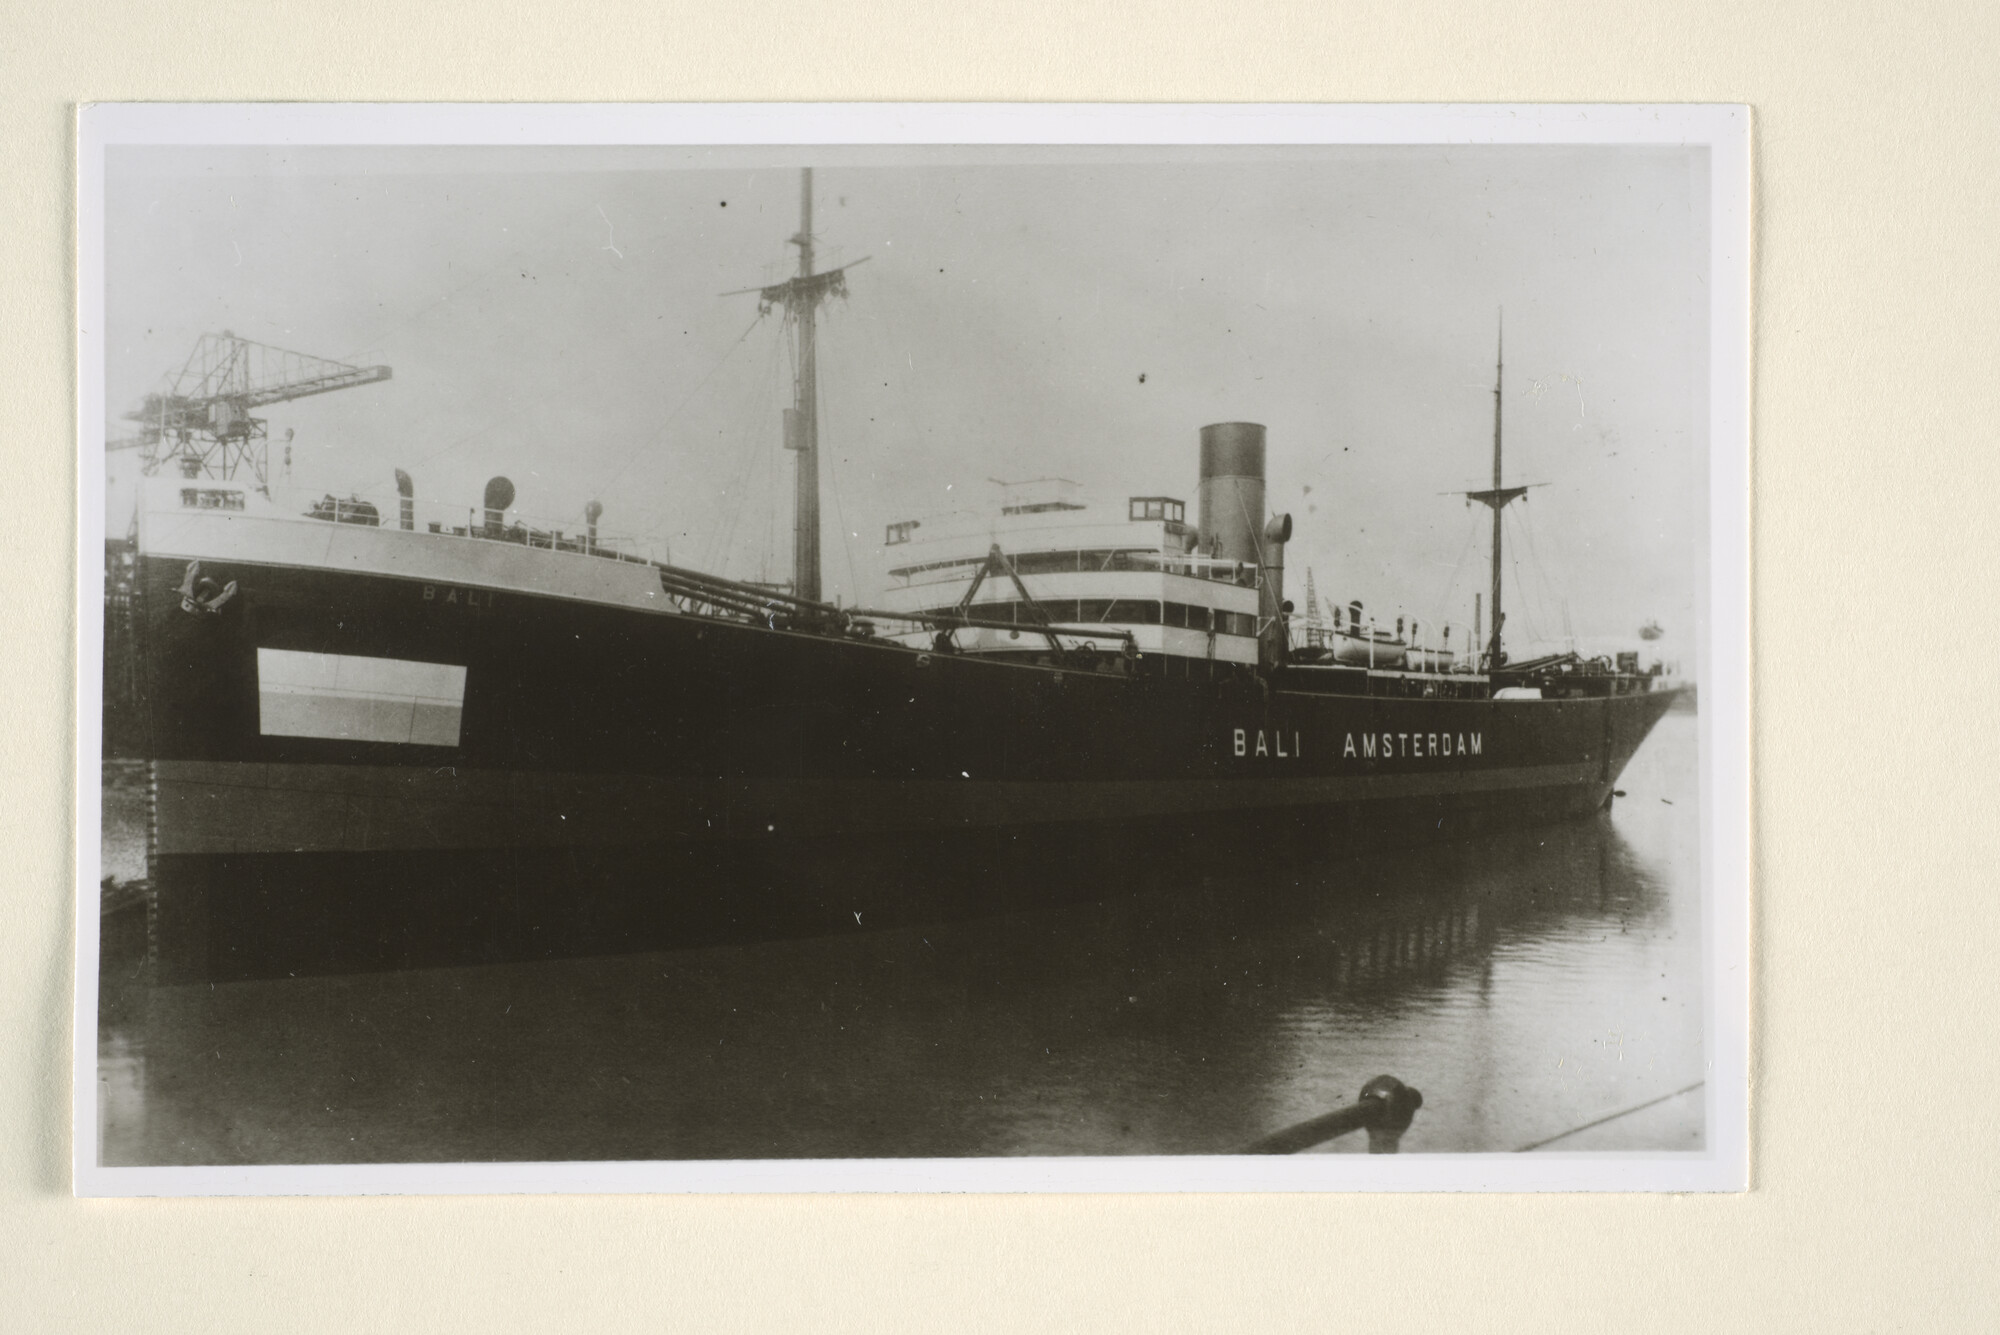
1134	571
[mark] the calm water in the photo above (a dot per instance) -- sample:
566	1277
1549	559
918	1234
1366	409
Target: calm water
1526	985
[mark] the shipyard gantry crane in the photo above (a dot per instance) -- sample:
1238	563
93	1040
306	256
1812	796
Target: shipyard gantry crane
202	418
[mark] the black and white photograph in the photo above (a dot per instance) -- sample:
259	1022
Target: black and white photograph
910	649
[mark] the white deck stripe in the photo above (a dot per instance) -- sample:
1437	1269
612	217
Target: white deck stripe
225	536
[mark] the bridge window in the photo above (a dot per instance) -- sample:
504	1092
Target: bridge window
1118	611
1205	619
1156	507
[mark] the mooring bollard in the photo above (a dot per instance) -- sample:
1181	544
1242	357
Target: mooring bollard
1397	1104
1385	1110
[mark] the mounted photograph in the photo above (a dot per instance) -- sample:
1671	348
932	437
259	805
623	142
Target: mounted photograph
912	648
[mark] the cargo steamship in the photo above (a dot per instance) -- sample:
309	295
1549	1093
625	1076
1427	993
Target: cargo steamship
382	740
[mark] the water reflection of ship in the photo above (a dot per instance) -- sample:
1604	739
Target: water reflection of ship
1370	925
1189	1019
1539	890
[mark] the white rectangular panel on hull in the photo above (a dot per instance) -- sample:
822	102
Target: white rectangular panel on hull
350	698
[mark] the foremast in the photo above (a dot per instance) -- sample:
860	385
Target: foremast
801	297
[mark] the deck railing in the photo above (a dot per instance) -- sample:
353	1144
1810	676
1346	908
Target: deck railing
444	520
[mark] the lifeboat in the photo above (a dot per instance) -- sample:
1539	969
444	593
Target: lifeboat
1371	648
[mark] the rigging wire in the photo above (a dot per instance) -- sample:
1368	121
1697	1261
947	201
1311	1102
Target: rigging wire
846	534
1559	554
722	511
774	495
667	421
764	461
722	538
538	242
1527	532
770	550
1521	603
771	456
1521	589
763	490
1441	607
506	260
1559	561
1547	593
384	489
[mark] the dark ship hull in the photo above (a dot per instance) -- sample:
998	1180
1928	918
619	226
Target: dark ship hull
621	777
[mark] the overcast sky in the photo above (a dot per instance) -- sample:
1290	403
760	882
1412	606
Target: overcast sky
555	315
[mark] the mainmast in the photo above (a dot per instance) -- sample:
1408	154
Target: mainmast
1497	499
801	298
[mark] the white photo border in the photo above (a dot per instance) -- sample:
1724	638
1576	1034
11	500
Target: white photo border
1723	649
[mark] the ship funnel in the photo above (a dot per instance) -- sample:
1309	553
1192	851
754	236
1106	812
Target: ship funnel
406	503
590	514
499	495
1230	500
1232	521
